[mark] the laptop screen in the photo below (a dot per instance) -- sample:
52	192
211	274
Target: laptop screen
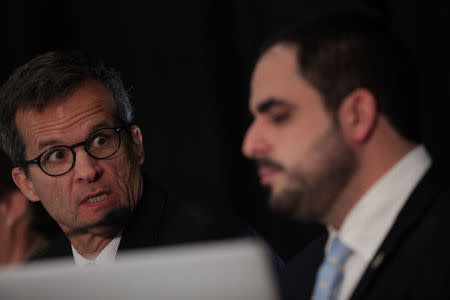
223	270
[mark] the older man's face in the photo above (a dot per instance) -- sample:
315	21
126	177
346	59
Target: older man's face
301	153
93	187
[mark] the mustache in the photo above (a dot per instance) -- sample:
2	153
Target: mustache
116	219
268	163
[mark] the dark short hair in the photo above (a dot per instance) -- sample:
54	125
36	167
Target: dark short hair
50	76
340	53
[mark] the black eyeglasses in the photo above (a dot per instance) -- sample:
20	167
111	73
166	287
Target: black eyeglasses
58	160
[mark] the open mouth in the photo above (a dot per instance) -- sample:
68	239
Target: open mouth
266	174
97	198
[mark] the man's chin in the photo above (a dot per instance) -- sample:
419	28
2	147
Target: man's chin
104	231
283	203
106	225
114	219
292	204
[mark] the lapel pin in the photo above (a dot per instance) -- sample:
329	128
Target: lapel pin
376	262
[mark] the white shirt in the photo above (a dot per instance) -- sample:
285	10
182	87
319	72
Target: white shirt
370	220
106	256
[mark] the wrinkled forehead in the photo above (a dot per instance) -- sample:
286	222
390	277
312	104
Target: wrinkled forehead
85	106
90	93
45	97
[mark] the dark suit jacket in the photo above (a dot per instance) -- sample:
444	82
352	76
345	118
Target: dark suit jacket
413	261
157	221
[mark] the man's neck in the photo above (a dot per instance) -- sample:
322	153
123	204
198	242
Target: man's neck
373	165
91	244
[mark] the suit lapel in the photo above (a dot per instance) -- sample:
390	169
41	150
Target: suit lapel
58	247
144	226
299	275
411	214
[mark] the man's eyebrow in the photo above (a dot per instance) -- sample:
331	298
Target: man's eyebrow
100	125
270	103
46	143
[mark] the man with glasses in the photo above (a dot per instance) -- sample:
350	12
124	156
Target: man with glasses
67	125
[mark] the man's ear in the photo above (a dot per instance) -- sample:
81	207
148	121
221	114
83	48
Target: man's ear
138	145
358	115
24	183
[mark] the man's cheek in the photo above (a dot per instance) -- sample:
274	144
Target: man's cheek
57	200
121	175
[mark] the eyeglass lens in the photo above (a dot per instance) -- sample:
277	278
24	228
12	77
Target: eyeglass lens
101	144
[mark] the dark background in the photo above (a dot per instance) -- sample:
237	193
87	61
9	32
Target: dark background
188	64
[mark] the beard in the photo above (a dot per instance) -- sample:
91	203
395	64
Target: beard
309	195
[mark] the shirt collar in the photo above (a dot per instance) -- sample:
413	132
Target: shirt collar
371	218
106	256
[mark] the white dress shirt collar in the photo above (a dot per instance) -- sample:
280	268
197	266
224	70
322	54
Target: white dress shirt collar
370	220
106	256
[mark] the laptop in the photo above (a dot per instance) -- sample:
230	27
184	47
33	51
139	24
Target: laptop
239	269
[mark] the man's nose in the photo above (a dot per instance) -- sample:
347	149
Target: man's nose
255	144
86	167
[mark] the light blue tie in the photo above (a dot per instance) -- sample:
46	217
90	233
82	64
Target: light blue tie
330	273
